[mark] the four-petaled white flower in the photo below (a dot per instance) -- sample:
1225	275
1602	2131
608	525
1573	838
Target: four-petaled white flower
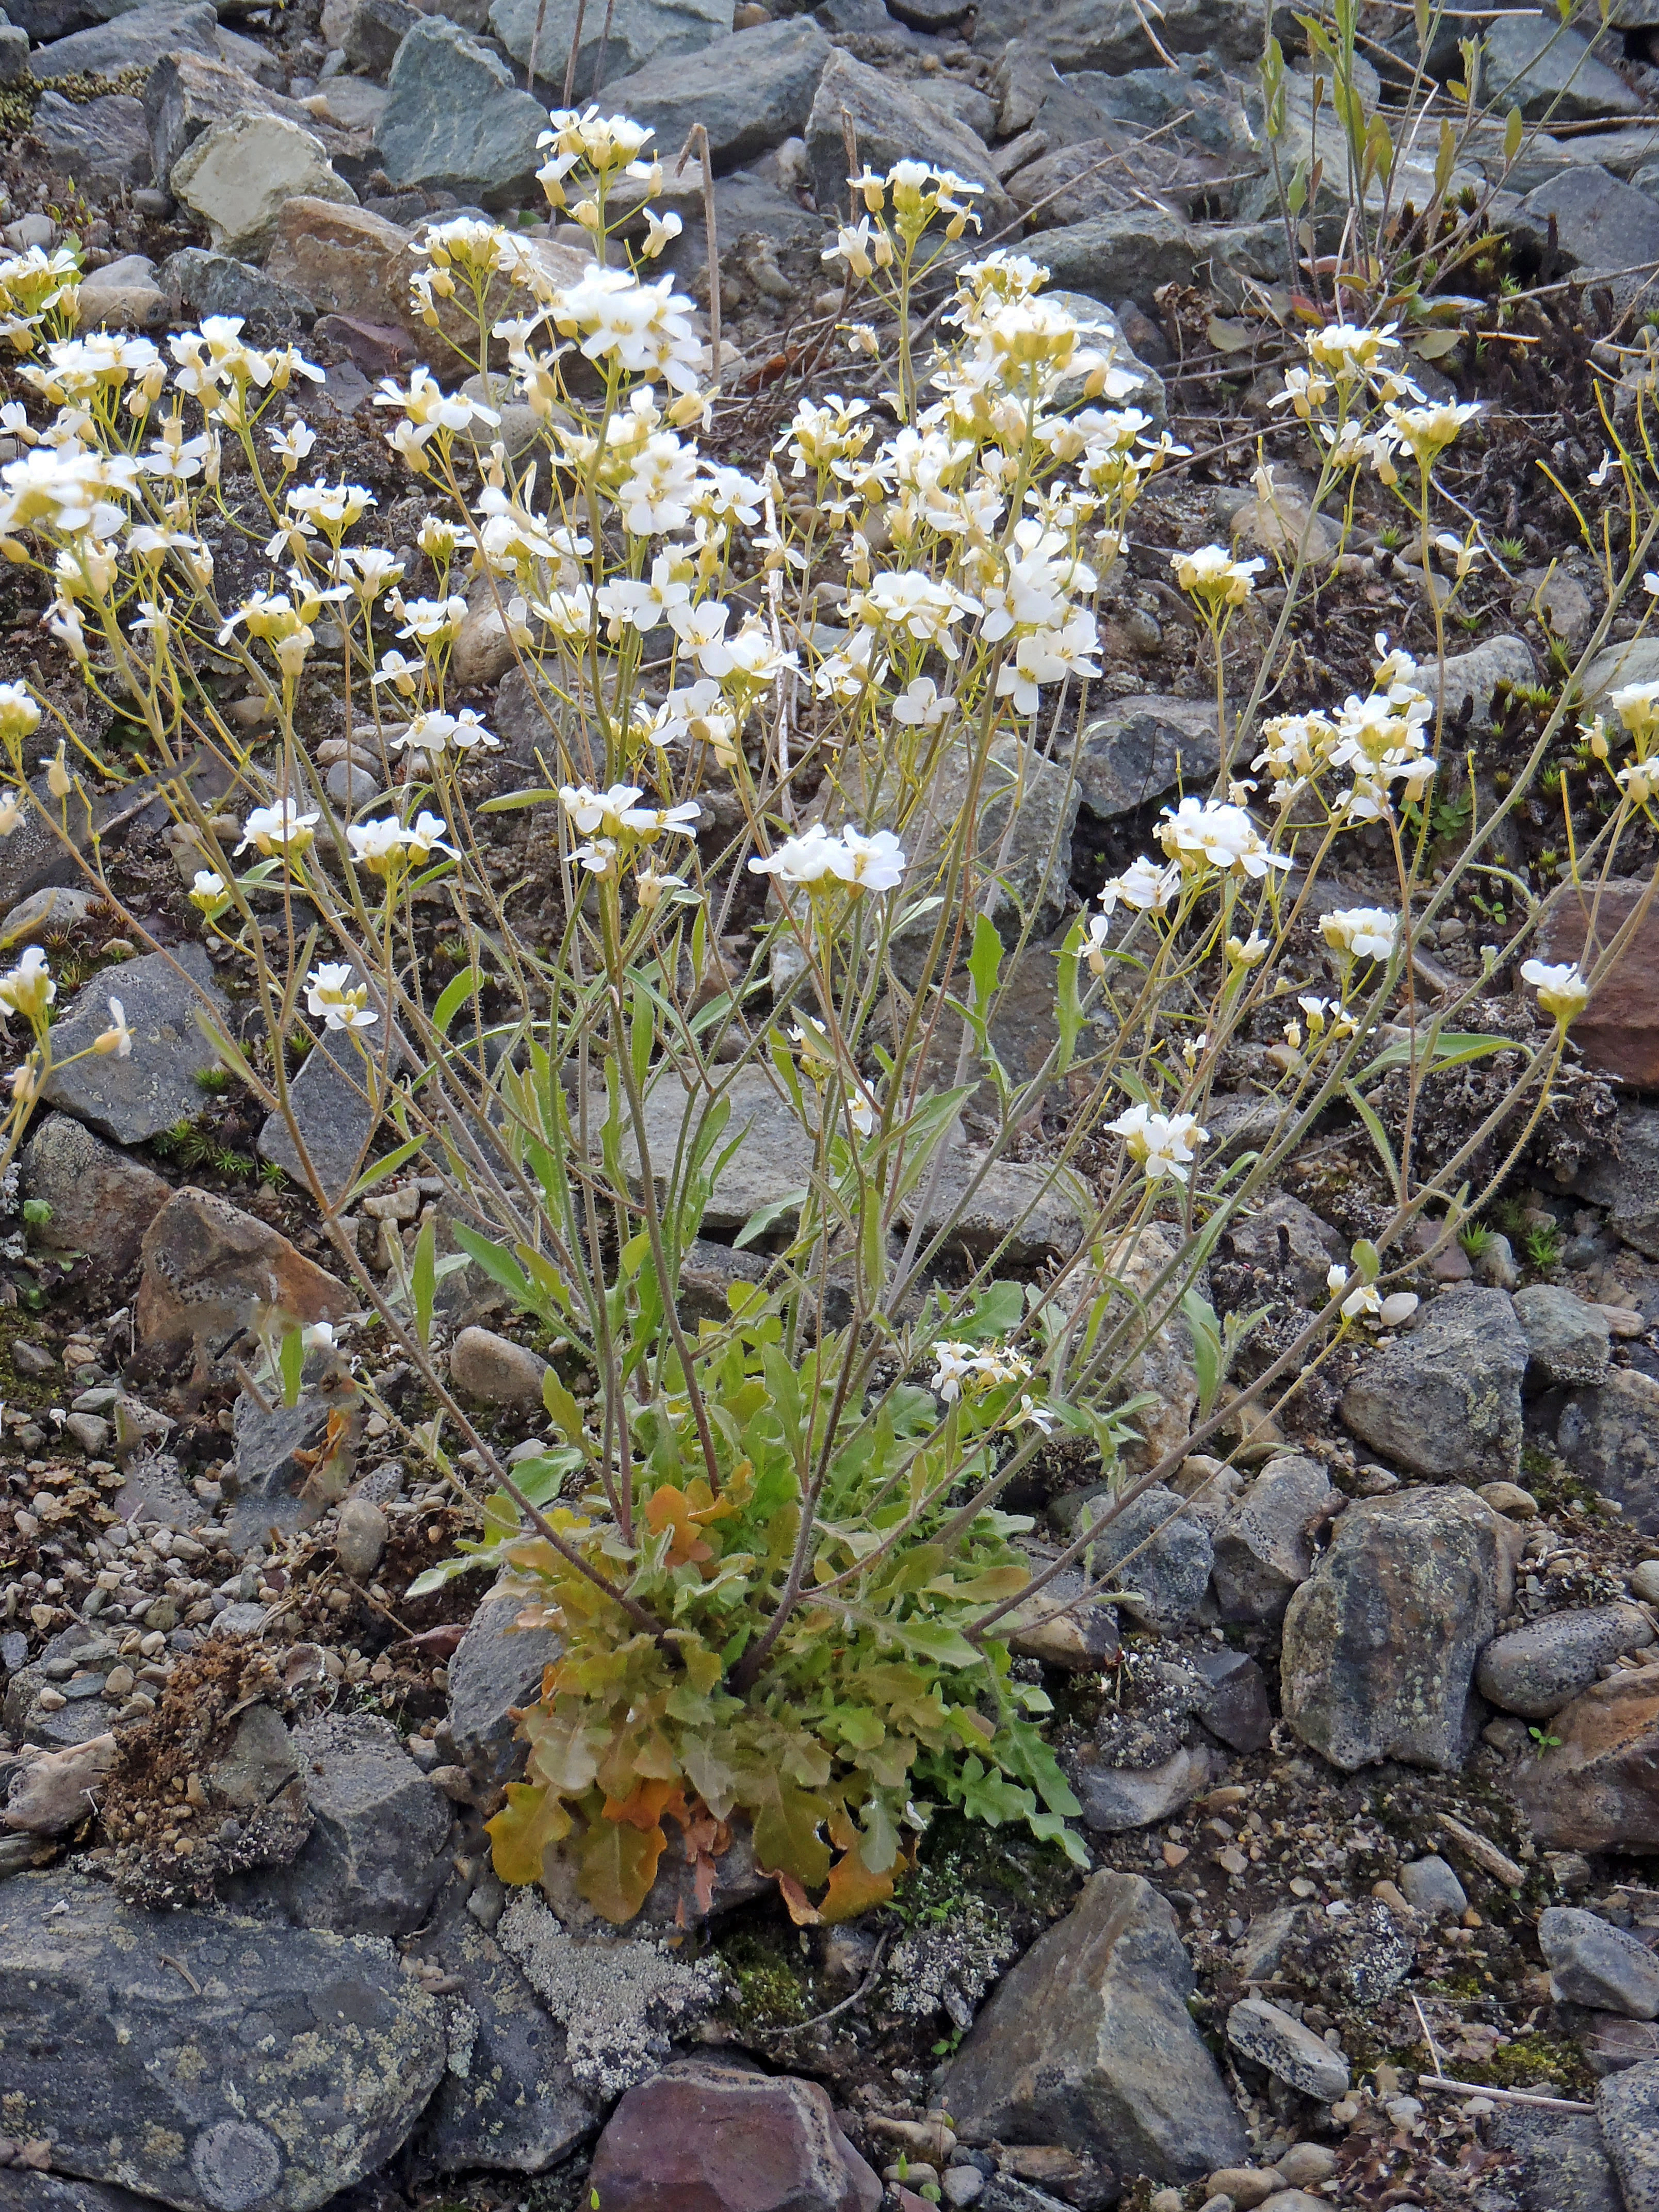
28	989
333	999
1159	1144
1362	932
1562	990
281	827
117	1039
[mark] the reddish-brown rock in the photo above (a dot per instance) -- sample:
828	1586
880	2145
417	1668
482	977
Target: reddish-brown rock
211	1270
706	2137
1598	1789
1618	1030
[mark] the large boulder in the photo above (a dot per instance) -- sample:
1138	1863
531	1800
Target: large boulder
1535	63
1597	1787
132	1100
1088	2039
217	2064
239	176
1593	1963
634	31
702	2136
1568	1343
1380	1642
1627	2105
131	41
1609	1437
1444	1399
1116	35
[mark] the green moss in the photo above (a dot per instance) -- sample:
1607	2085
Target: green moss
1538	2061
771	1985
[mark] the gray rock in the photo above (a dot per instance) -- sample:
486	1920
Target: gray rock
1170	1575
102	1202
640	31
509	2100
211	284
1104	330
377	29
774	1160
1136	250
1624	1179
496	1667
240	175
1141	747
750	92
1627	2105
102	143
377	1855
336	1121
962	103
1089	2039
1111	35
1536	1670
1285	1242
44	913
1445	1398
1535	64
1115	1799
1593	1963
1471	678
892	125
1603	229
264	1476
134	1099
325	2036
1430	1885
1568	1342
351	785
185	94
131	41
1380	1643
359	1534
1010	1209
1233	1703
1083	1639
495	1370
455	121
1609	1437
21	2190
1563	2165
1262	1551
1292	2053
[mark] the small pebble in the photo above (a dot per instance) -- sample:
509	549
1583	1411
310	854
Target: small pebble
1644	1582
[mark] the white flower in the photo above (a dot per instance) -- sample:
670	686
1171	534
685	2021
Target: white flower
1562	991
425	836
876	863
319	1337
921	705
861	1112
208	893
1143	885
1210	832
118	1037
434	732
1212	575
1161	1144
333	999
13	813
19	715
814	858
1247	952
376	845
58	780
598	856
1362	932
28	989
268	829
649	887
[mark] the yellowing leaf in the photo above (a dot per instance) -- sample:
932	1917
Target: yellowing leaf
645	1808
531	1819
668	1508
786	1821
801	1909
618	1864
852	1889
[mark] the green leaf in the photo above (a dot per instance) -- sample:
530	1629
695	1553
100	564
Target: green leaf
763	1217
456	993
1513	130
378	1170
423	1278
290	1361
1379	1135
787	1821
998	1311
1368	1260
1435	345
934	1640
565	1413
433	1578
1205	1330
985	961
1227	335
1068	1009
497	1264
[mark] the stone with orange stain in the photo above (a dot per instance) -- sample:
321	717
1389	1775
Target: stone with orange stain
1618	1031
1597	1789
210	1271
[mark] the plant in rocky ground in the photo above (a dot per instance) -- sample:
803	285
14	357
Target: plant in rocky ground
791	870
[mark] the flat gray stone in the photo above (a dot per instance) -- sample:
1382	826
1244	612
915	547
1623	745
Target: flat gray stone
130	41
1604	229
1472	678
1562	2162
1140	749
1593	1963
750	92
336	1121
456	120
640	31
496	1667
1088	2038
1536	1670
102	143
1444	1399
302	2064
1136	250
892	125
774	1158
1568	1342
496	1371
1011	1208
511	2102
264	1479
1534	63
1292	2053
132	1100
211	283
1115	1799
